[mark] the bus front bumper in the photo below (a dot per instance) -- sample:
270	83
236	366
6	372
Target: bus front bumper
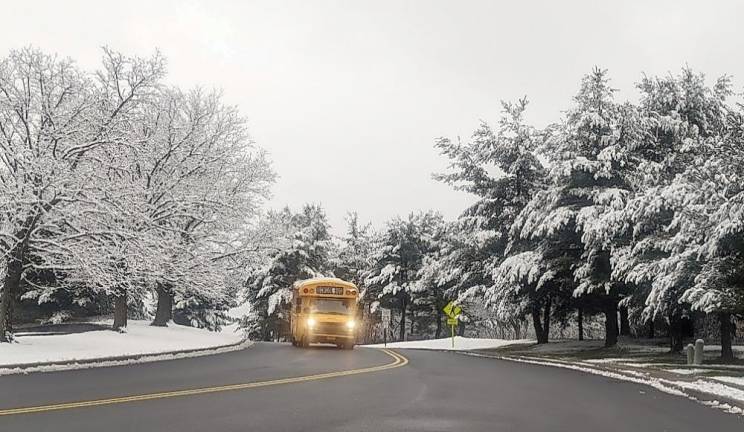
330	338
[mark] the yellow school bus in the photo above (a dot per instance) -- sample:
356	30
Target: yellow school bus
324	310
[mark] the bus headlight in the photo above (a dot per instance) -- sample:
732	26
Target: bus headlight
350	324
310	322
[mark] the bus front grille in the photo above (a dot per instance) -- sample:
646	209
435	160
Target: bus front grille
330	328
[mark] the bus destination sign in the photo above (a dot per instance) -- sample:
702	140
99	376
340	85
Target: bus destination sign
329	290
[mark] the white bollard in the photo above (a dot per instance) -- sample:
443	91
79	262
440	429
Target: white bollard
699	345
690	353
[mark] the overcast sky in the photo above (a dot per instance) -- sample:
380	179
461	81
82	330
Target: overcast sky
348	96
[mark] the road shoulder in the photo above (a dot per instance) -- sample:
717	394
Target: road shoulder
724	396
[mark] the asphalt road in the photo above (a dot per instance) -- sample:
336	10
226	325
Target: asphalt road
434	391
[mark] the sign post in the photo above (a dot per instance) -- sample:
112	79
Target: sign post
453	311
385	316
452	322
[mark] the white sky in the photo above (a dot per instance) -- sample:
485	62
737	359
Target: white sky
366	86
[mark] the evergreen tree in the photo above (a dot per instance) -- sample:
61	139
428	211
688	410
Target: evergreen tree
392	280
308	255
591	174
355	254
502	168
684	180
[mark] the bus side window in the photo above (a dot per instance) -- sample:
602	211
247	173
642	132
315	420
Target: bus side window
298	308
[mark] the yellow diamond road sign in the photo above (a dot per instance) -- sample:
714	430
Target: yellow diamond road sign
452	310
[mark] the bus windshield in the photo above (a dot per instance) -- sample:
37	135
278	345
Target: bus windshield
331	306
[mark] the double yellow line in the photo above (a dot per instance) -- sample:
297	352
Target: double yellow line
398	361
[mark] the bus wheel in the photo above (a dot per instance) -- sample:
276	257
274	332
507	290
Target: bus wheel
294	342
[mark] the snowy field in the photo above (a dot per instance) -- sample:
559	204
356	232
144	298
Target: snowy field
461	343
140	338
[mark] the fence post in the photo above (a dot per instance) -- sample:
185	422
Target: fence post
699	345
690	354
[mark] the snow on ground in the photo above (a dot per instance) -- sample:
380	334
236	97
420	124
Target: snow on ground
614	360
691	371
667	366
140	338
730	379
461	343
240	311
624	344
713	388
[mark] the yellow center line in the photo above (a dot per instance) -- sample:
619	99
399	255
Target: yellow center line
399	361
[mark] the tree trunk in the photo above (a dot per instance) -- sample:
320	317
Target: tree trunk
403	308
438	331
537	324
120	311
10	287
412	319
610	311
546	318
164	311
727	330
542	326
390	326
624	322
15	262
580	319
675	334
517	327
651	329
5	318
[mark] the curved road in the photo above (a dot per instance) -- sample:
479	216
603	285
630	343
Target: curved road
432	391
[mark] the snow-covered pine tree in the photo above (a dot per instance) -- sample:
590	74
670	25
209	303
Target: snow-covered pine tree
427	295
501	167
440	273
590	174
679	188
393	277
353	261
355	253
719	287
308	255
